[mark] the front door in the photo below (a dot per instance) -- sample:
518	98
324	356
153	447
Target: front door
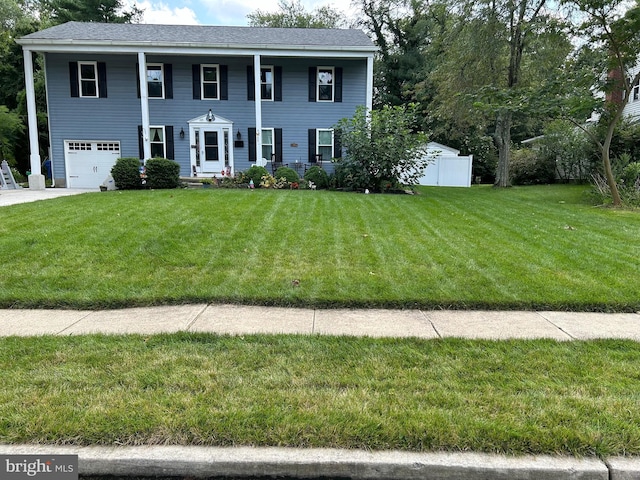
211	150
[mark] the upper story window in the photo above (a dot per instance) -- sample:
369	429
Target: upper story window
157	140
325	84
88	79
266	83
635	92
210	75
155	80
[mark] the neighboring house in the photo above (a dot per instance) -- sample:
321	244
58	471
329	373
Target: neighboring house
632	108
189	93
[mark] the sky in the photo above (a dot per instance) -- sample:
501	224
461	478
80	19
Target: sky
209	12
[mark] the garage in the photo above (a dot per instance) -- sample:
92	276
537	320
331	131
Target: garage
88	163
447	168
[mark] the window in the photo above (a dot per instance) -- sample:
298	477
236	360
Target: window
155	80
325	84
268	147
636	90
157	140
210	75
88	79
324	144
266	83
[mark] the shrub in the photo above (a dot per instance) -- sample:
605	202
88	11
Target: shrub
126	173
318	176
162	173
630	176
528	168
256	173
289	173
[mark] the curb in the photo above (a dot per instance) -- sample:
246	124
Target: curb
239	462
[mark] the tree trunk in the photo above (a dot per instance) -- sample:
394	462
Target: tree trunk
611	181
502	138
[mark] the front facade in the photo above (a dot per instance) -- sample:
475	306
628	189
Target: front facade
189	93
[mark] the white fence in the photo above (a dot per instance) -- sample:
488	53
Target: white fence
447	167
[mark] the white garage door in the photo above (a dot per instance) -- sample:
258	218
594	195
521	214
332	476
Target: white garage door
89	162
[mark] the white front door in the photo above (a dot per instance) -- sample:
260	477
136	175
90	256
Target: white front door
212	150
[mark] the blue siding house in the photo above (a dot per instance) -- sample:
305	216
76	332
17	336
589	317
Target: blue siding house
215	99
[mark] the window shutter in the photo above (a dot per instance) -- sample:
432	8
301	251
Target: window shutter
312	83
195	75
251	84
73	79
168	133
138	81
278	143
277	84
224	82
252	144
312	145
337	144
102	80
168	80
338	85
140	143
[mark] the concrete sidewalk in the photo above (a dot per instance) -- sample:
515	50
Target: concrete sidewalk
239	320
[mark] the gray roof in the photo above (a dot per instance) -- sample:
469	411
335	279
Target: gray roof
79	33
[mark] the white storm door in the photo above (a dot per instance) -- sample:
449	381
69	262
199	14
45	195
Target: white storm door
211	150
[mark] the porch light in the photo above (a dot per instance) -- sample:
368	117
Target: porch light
238	135
210	117
182	133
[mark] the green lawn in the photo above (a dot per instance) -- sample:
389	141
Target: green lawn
532	248
515	397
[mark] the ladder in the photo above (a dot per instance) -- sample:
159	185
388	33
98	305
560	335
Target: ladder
6	179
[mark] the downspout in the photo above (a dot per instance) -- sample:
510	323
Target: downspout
258	107
144	105
36	179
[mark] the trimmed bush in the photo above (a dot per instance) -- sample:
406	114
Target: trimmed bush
162	173
256	173
529	168
126	173
318	176
288	173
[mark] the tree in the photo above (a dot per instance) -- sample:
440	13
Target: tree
619	37
106	11
293	15
383	151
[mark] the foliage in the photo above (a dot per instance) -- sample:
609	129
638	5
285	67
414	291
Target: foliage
126	173
288	173
255	173
317	176
383	148
292	14
105	11
162	173
528	168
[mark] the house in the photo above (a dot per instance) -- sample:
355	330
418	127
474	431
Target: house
189	93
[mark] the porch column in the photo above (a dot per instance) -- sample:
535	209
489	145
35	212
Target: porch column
36	179
369	98
258	102
144	105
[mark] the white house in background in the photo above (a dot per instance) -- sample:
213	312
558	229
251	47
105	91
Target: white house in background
447	168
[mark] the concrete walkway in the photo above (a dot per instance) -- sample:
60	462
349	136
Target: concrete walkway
25	195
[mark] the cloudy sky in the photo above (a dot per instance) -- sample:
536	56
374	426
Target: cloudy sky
209	12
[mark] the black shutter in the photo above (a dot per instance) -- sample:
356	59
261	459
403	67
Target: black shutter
312	145
138	80
278	143
168	80
337	144
277	84
73	79
195	74
140	143
252	144
224	82
251	84
102	80
312	83
338	85
168	133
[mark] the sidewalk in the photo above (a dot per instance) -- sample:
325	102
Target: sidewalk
239	320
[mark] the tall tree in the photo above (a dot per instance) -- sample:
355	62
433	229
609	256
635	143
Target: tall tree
292	14
106	11
617	34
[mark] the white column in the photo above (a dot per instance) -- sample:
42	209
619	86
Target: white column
36	179
258	97
144	105
369	99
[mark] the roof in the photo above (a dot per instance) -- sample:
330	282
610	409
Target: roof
198	36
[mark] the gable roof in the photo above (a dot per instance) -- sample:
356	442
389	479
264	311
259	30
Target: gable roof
189	36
